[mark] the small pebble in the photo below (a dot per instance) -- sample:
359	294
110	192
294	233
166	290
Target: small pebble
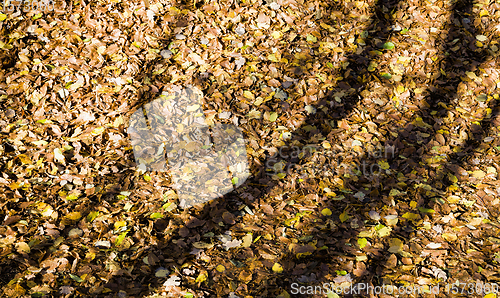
10	113
287	84
74	233
166	54
374	215
240	30
274	6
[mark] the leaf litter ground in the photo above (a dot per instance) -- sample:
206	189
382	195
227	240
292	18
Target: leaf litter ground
372	133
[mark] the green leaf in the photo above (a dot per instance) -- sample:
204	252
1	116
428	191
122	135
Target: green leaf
482	98
404	31
75	277
188	295
273	116
311	38
234	180
37	16
373	65
72	197
92	215
388	45
169	207
425	210
341	272
156	215
329	65
386	75
120	238
362	242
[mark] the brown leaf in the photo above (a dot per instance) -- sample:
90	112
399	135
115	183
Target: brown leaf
229	218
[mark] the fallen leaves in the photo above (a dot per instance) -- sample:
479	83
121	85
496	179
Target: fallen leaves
326	212
288	73
277	268
58	156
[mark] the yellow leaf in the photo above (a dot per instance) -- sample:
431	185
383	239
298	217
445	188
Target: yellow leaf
37	16
326	212
23	247
254	114
483	13
449	236
362	242
118	121
201	278
490	295
453	178
384	165
40	143
120	224
273	58
97	131
385	231
391	220
47	211
277	268
276	34
74	215
453	199
411	216
344	216
24	159
247	240
14	185
481	38
193	108
89	256
2	17
19	290
220	268
72	197
273	116
147	177
365	233
248	95
478	174
396	245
